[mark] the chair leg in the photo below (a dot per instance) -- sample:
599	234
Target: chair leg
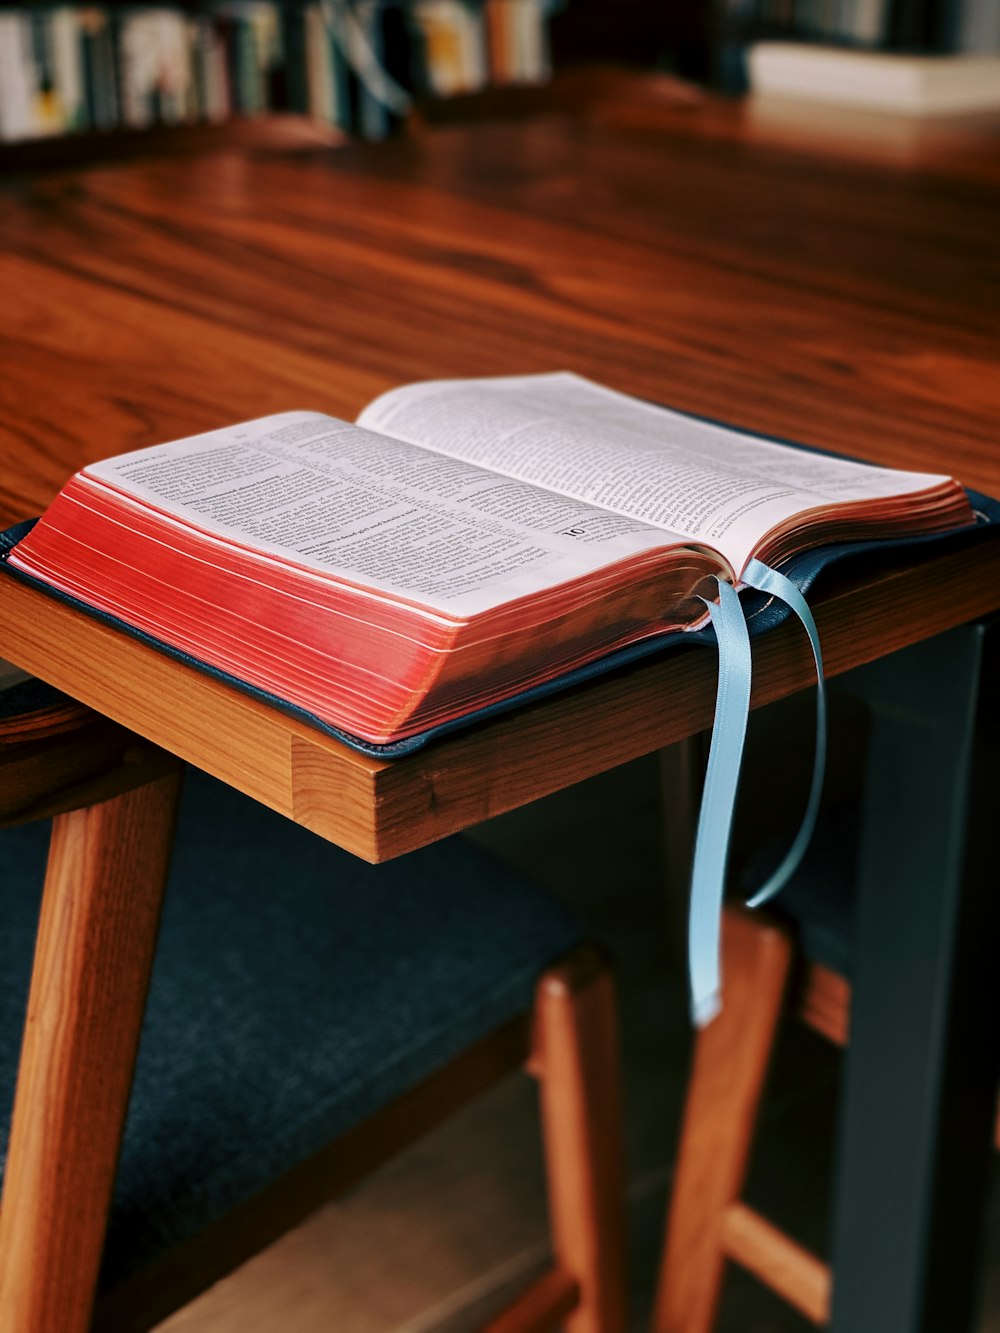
575	1059
730	1063
100	912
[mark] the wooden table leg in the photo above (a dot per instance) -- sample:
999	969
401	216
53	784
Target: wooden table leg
100	913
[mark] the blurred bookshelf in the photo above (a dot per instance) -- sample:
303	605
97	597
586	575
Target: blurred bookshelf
92	78
114	78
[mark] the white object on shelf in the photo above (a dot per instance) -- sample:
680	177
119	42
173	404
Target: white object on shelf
908	84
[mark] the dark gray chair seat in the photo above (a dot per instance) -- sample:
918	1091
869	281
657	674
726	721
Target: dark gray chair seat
295	991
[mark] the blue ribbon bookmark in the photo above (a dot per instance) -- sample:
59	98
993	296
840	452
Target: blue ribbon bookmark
715	819
768	580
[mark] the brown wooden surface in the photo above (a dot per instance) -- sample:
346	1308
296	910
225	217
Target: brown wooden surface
684	250
100	914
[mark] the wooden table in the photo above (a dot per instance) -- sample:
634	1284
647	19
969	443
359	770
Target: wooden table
830	282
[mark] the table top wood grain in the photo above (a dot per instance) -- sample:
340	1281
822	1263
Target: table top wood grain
805	278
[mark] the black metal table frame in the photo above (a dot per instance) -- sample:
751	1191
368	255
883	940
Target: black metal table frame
919	1094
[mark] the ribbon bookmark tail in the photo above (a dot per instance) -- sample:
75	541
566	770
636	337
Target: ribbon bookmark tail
722	775
765	579
718	802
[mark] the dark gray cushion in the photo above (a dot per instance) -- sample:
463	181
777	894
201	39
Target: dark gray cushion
296	990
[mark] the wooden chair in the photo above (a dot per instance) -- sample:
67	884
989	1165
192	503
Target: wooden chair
796	963
412	986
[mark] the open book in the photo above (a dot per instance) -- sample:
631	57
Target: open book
464	541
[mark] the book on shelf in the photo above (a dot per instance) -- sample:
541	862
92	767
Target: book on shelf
516	36
455	44
463	542
914	85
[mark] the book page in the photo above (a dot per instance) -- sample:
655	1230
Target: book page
707	482
338	499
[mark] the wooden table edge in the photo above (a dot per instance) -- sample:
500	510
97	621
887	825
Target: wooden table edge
380	808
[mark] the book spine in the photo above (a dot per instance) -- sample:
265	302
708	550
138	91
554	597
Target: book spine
373	117
344	94
46	113
319	80
499	41
175	69
67	68
246	65
100	74
532	62
455	46
135	64
18	79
